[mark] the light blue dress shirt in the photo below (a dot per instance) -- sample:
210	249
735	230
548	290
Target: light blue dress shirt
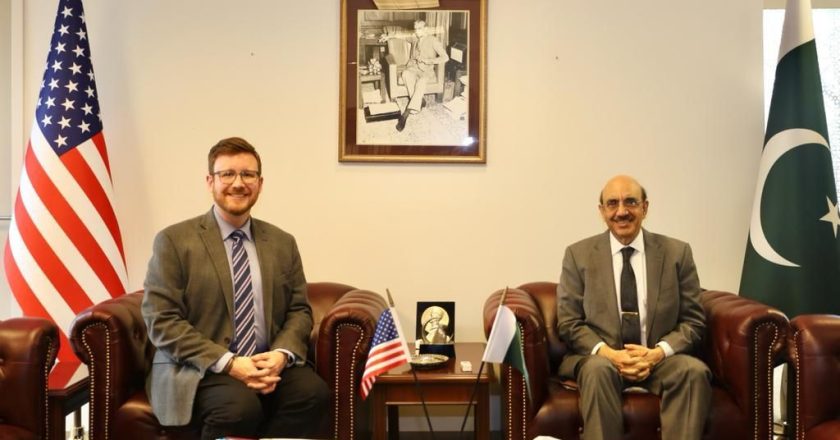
256	283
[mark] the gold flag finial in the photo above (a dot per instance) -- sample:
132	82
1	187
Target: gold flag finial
502	299
390	300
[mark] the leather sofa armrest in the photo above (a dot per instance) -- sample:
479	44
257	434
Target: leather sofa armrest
343	344
532	326
744	341
31	341
813	352
322	296
110	337
28	347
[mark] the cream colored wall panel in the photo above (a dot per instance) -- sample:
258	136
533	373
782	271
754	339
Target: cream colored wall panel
577	91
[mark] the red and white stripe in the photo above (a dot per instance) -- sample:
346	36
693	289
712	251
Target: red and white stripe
64	251
385	356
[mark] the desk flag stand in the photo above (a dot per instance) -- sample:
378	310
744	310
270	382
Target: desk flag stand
416	380
503	346
472	399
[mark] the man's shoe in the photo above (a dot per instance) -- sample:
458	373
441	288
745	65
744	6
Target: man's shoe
401	121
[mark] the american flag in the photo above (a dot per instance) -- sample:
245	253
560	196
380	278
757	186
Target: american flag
64	251
388	349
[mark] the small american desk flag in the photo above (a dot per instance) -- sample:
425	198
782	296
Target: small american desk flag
388	349
64	251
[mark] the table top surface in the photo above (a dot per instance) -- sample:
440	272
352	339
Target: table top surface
370	77
448	372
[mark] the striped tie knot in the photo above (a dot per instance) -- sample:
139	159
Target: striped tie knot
237	236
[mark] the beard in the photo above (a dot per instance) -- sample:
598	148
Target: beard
235	206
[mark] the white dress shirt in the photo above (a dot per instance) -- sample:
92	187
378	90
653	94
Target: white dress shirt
639	265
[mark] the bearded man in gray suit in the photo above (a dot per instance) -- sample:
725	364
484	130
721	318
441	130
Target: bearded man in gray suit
225	305
628	308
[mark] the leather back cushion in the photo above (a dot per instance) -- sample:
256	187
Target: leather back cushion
322	297
400	50
545	294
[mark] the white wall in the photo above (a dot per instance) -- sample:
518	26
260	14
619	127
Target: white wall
5	137
577	92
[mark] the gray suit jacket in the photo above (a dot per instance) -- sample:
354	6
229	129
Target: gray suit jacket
188	306
587	308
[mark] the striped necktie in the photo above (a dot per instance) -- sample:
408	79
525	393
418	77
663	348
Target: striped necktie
244	333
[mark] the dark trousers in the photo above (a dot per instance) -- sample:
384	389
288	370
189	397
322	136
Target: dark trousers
298	406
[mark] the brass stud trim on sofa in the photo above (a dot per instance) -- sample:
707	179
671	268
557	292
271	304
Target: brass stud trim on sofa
524	412
509	404
47	367
337	382
769	378
799	434
522	380
91	373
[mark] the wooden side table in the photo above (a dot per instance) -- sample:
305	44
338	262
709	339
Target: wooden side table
68	392
441	386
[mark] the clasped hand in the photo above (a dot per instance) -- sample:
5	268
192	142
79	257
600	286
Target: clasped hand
260	372
634	362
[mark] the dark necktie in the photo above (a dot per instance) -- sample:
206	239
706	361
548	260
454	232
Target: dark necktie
631	331
244	330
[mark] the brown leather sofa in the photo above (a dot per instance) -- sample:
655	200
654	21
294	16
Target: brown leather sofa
744	341
111	339
814	359
28	347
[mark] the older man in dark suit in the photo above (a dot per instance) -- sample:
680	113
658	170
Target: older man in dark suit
628	307
225	305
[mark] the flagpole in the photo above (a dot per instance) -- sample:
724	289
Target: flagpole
416	379
478	378
472	399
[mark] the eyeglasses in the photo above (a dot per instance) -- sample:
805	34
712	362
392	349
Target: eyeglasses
227	177
629	203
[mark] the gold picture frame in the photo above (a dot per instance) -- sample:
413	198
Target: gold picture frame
446	124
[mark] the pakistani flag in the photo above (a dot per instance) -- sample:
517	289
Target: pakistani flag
793	255
505	343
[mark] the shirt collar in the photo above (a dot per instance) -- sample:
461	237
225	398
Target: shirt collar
227	228
638	243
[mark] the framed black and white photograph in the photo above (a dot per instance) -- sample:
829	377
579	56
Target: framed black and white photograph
412	83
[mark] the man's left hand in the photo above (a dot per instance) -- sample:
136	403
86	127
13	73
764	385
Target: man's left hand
648	357
653	355
270	365
273	361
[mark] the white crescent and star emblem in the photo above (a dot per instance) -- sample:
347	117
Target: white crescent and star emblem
778	145
833	216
